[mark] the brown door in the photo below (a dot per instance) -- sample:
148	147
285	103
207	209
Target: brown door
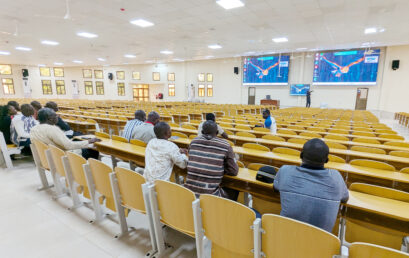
252	96
361	98
140	92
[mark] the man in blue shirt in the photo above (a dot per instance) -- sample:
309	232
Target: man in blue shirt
310	193
130	127
269	122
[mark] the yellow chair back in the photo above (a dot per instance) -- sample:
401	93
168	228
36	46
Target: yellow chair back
368	149
273	138
227	224
119	138
138	142
334	158
311	241
102	135
246	134
365	250
372	164
76	162
100	173
130	187
180	135
175	206
256	146
57	155
41	148
287	151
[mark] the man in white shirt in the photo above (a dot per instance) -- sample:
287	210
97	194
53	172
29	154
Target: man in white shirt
269	122
48	133
145	131
211	117
161	155
21	126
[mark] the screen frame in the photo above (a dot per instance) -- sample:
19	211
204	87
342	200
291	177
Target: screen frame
348	83
266	83
299	84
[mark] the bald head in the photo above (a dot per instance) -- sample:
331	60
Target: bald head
209	128
153	117
315	153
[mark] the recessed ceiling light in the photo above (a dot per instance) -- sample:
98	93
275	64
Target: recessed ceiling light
209	57
301	48
129	56
214	46
87	35
149	61
280	40
101	59
77	61
41	65
166	52
58	63
142	23
23	48
178	60
4	53
125	63
371	30
230	4
50	42
105	65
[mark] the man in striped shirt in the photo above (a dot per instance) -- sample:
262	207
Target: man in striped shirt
130	127
210	158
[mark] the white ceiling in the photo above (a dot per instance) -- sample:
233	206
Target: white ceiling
187	27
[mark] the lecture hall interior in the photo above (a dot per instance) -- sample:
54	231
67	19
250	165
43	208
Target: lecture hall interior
204	128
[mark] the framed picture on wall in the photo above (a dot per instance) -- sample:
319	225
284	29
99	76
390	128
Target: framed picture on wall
201	77
171	77
120	75
86	73
98	74
136	75
209	77
156	76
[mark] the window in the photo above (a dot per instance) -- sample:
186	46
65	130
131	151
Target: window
47	88
121	89
100	88
88	88
140	92
171	77
45	71
87	73
171	90
136	75
210	90
8	86
201	90
5	69
98	74
60	85
210	77
58	72
120	75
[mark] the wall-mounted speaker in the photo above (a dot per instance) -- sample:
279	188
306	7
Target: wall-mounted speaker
24	72
236	70
110	76
395	64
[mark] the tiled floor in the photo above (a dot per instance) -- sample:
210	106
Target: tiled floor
34	225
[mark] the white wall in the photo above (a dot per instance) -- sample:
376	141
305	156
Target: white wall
388	94
395	90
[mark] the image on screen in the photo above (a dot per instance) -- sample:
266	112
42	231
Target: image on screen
352	67
299	89
266	70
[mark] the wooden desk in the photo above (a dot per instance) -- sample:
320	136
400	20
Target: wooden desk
379	205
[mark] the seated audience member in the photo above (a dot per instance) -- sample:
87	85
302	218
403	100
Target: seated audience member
37	106
15	105
61	124
145	131
269	122
311	193
6	113
48	133
210	158
130	127
212	117
161	154
21	126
